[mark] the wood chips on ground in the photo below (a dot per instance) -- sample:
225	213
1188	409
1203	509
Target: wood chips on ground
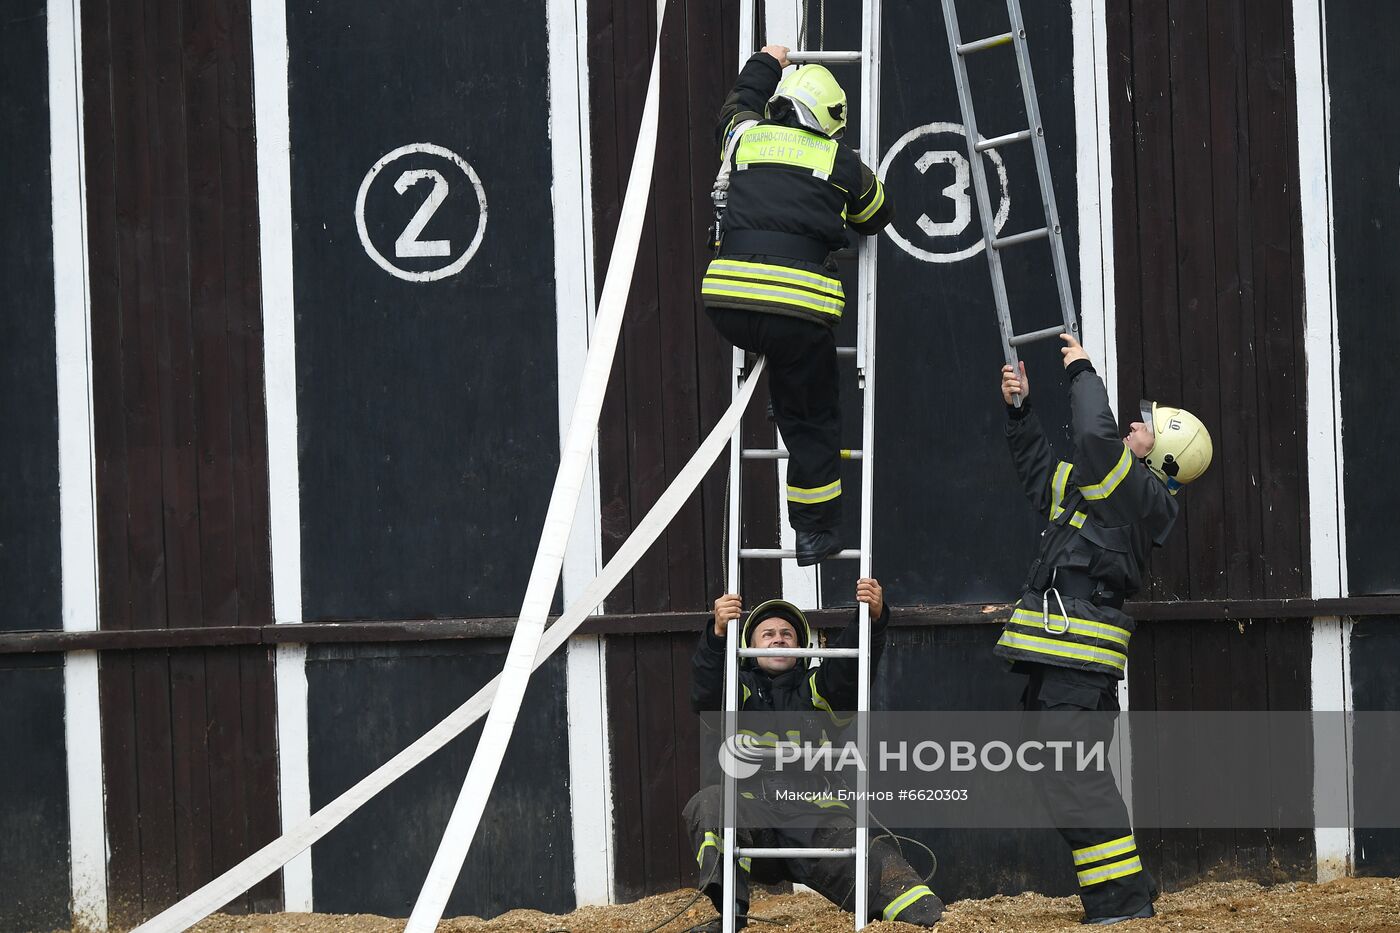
1350	904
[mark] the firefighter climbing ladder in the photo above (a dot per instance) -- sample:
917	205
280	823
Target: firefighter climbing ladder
1035	135
864	353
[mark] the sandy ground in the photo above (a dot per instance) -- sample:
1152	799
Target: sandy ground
1351	904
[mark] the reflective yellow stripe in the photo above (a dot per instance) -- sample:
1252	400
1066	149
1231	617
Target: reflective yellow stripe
1104	488
823	704
767	272
767	738
715	842
774	293
711	842
827	803
1057	488
1077	626
1064	649
784	145
819	494
747	693
1104	850
1077	519
1129	866
874	205
904	900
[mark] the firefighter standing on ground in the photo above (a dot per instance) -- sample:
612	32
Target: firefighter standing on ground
781	685
1106	511
772	287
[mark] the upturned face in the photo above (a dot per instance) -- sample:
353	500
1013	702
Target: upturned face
774	633
1140	439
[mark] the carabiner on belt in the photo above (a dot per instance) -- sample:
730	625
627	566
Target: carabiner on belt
1045	607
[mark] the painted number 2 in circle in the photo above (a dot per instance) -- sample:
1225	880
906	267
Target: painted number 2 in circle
408	244
447	205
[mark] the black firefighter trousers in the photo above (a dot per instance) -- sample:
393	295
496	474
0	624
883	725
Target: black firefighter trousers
896	890
1112	881
803	384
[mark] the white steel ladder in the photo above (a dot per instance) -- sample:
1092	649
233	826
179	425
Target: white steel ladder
864	353
976	145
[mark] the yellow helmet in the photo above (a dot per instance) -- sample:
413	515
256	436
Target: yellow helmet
817	98
1183	448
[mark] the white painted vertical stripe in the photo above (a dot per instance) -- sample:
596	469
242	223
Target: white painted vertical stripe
1098	311
1332	750
1331	661
279	362
76	467
1326	493
1094	186
590	787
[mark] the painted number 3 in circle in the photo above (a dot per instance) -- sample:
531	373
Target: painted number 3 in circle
444	198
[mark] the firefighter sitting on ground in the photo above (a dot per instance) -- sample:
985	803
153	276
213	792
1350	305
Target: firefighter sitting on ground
1106	510
785	684
772	289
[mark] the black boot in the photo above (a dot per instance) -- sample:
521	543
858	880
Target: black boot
815	546
1106	921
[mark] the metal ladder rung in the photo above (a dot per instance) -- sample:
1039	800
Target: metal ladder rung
1000	141
771	553
799	652
981	45
763	453
1017	238
805	56
1022	339
793	852
846	351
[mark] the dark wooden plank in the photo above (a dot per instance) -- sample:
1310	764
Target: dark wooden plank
1274	195
1142	695
607	186
1180	864
211	438
1236	434
1161	332
1248	680
685	728
154	750
642	329
1297	613
656	718
1197	352
711	33
168	152
629	873
190	767
248	413
228	763
120	782
673	193
258	702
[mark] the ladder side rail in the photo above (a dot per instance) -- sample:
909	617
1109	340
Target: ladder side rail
871	14
1042	168
730	796
731	659
979	179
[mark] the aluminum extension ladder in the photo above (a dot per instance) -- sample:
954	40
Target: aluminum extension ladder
1035	134
864	353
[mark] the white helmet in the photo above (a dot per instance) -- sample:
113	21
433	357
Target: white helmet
1182	448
